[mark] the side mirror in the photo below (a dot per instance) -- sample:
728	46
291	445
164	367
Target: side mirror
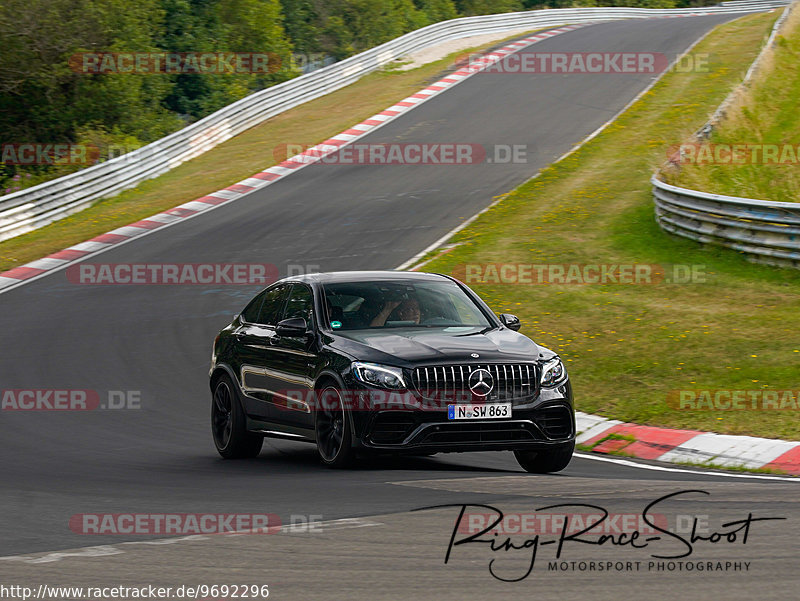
292	328
510	321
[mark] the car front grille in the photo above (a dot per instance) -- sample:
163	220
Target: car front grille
511	381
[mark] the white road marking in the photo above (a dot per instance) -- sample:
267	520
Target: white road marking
663	468
106	550
100	551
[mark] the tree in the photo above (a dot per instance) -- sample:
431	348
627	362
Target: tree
487	7
437	10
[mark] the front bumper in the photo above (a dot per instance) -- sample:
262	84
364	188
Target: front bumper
546	421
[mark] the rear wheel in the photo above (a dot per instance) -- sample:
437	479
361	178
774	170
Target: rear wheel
228	425
334	434
546	461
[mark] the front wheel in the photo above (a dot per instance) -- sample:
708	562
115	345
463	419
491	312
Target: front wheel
334	434
546	461
228	426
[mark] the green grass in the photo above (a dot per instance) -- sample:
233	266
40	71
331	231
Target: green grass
617	452
734	468
767	113
236	159
628	346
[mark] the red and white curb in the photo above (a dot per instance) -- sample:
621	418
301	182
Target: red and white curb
25	273
608	436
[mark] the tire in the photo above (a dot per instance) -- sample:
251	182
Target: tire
333	430
545	462
228	425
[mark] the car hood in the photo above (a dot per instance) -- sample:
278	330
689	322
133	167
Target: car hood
413	345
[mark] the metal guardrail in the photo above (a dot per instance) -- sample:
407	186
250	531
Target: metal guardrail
35	207
752	4
767	231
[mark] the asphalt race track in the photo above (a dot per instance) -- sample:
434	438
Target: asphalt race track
156	340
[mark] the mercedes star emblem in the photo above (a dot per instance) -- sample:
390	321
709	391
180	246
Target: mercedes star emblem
481	382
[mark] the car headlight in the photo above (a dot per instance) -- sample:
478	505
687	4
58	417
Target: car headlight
381	376
553	372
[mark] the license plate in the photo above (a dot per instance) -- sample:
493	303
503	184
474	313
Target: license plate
486	411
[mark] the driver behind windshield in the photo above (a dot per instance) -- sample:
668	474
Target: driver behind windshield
406	310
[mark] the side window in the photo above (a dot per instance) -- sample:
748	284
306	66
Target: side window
271	310
251	311
300	304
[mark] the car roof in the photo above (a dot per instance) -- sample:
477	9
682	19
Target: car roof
364	276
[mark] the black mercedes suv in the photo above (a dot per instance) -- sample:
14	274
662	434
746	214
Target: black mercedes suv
387	362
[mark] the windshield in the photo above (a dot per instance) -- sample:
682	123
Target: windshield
400	304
